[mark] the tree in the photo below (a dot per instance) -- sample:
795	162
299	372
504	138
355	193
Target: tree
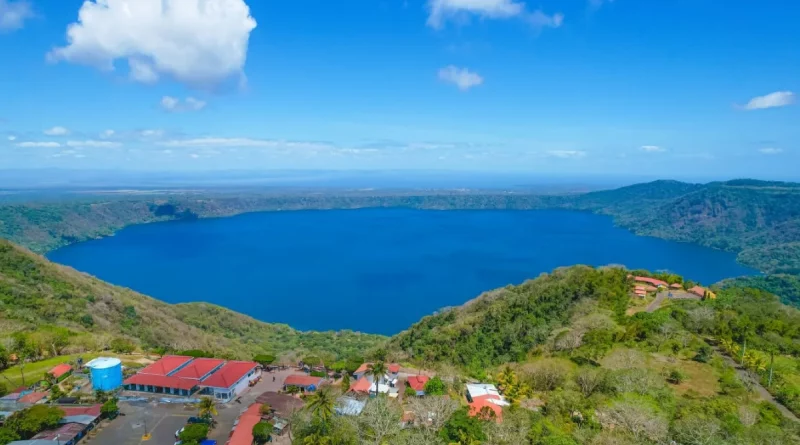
513	430
637	417
264	359
435	387
590	380
100	396
265	409
122	345
30	421
345	381
109	409
261	432
195	432
4	359
462	428
379	423
431	412
409	391
322	404
207	408
377	371
8	435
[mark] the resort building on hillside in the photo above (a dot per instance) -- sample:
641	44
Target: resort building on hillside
651	281
703	292
184	376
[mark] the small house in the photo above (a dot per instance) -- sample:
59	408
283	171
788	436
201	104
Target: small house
699	291
361	385
390	378
348	406
60	372
417	383
676	286
651	281
305	383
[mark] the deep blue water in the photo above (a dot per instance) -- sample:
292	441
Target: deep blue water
371	270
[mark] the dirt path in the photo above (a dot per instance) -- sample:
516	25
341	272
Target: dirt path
762	392
660	297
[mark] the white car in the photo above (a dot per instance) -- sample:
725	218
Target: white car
178	433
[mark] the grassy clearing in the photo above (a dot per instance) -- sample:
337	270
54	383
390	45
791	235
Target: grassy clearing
701	378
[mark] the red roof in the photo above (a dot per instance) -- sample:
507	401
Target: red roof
479	403
93	410
229	374
652	281
418	382
60	370
699	291
162	381
33	397
302	380
243	432
166	365
361	385
676	285
394	368
198	368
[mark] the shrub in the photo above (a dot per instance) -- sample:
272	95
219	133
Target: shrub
195	432
675	376
410	392
109	409
261	432
317	374
435	387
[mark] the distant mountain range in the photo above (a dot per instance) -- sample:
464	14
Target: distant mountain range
758	220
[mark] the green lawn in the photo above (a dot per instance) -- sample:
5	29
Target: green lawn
34	372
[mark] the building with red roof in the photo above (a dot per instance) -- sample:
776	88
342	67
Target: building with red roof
92	410
167	365
676	286
389	379
60	372
361	385
649	280
303	381
417	383
699	291
161	384
199	369
486	407
32	398
242	433
230	380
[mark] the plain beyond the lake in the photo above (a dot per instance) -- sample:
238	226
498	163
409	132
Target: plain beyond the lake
370	270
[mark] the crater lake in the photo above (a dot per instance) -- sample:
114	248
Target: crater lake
370	270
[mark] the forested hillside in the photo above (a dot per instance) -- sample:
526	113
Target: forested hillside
759	220
583	363
40	298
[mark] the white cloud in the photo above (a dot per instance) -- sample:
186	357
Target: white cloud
771	151
13	14
197	42
12	138
107	134
566	154
652	148
596	4
244	142
463	78
57	131
171	104
93	144
194	155
39	144
151	133
442	10
771	100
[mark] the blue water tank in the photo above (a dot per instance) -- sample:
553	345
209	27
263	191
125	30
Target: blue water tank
106	373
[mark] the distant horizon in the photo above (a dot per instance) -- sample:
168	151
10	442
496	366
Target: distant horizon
72	178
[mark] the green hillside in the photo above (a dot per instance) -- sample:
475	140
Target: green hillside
45	300
599	372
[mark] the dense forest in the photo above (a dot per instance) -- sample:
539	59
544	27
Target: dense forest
45	301
759	220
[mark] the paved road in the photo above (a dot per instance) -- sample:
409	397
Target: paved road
762	392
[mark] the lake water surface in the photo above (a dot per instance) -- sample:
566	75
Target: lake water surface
370	270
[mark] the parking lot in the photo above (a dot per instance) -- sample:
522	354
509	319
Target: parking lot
161	420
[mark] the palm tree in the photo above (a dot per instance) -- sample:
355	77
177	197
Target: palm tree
322	404
207	408
377	371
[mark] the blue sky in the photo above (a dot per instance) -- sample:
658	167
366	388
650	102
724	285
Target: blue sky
685	87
